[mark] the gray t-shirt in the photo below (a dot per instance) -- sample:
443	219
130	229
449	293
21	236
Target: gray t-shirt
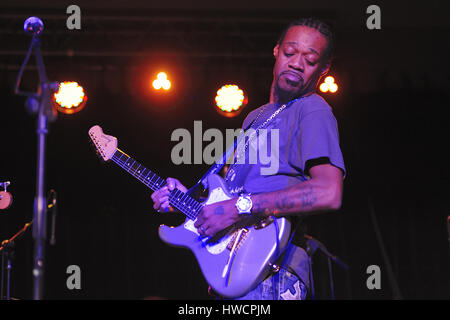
306	131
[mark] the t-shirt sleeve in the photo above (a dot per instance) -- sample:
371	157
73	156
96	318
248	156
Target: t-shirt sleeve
319	140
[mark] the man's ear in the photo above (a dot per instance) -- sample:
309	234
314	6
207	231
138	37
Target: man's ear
275	50
325	69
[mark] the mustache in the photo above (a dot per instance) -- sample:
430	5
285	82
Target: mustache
296	74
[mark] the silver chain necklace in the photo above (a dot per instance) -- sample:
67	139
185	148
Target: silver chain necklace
256	131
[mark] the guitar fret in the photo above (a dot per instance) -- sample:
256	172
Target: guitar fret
132	170
177	204
137	169
135	166
178	199
187	200
187	214
159	181
142	174
147	178
121	154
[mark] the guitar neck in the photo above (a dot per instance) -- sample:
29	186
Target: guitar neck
178	199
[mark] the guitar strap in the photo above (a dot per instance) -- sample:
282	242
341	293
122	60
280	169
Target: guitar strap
218	165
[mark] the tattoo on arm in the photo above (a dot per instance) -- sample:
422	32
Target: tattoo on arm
219	211
260	206
305	200
284	203
308	198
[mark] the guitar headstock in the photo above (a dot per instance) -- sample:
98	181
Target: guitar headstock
106	145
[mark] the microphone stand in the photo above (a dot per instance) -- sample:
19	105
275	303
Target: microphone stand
311	247
7	251
46	113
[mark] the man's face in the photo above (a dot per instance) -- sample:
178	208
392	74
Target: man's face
298	64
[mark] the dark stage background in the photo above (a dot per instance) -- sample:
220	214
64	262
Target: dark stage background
391	109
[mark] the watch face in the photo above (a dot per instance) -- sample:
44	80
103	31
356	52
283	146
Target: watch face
244	204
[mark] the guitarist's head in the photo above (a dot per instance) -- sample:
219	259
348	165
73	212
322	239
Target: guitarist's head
303	55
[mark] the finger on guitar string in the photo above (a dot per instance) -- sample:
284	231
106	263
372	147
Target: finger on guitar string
173	183
164	191
161	202
159	197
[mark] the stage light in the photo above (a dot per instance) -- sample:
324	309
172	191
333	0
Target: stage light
161	81
333	87
329	85
70	97
323	87
230	99
329	80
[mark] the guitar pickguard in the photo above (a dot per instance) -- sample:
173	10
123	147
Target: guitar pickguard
216	195
213	248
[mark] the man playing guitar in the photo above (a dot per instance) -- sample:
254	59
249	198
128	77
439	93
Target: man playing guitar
311	169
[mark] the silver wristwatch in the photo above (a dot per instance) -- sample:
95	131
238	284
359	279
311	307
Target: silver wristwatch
244	204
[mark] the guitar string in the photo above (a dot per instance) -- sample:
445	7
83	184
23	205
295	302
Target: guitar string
189	201
125	165
176	193
128	167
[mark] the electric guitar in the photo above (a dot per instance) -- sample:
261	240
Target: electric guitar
232	265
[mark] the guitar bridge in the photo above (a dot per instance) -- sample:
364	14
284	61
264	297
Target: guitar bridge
235	241
233	246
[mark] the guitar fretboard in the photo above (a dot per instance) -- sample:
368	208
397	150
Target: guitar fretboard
178	199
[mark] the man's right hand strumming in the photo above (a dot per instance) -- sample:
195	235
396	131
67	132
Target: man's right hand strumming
161	197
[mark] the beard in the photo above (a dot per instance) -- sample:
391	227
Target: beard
294	90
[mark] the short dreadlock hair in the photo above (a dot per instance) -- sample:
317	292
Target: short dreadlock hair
320	26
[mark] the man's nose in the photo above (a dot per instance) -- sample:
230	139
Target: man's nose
297	64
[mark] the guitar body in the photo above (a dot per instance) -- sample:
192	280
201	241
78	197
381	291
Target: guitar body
255	254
